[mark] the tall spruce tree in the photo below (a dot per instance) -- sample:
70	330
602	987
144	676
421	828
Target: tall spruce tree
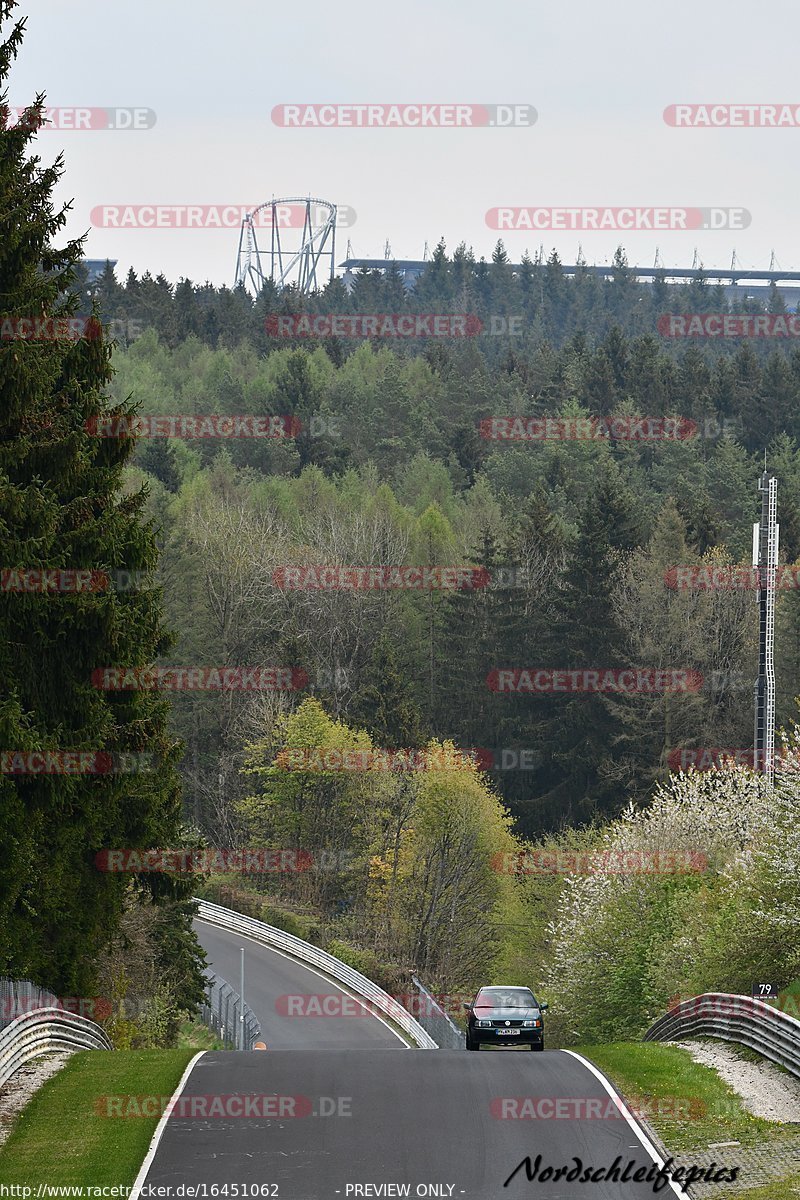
61	507
580	734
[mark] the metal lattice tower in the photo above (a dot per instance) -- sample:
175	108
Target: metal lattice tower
765	560
306	266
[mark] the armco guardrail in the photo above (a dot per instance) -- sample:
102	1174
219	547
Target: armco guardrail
742	1019
268	935
42	1031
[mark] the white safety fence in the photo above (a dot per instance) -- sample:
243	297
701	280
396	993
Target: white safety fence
43	1031
277	939
741	1019
222	1011
435	1020
18	996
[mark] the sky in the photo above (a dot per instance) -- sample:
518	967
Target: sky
598	76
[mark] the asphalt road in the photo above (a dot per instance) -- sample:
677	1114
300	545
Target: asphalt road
331	1110
338	1120
269	976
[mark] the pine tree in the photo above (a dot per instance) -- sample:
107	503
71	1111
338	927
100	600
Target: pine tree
61	507
158	458
730	478
579	733
432	291
385	704
666	631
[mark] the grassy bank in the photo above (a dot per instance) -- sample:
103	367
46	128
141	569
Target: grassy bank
62	1136
688	1104
690	1108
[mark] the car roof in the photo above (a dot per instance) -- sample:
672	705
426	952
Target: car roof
499	988
505	991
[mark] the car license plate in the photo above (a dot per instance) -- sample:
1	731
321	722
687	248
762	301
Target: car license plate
508	1032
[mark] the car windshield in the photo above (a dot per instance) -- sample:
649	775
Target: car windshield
505	998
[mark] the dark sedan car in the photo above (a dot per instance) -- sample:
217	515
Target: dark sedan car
503	1016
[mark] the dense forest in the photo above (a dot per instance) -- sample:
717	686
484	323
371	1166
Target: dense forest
573	542
576	536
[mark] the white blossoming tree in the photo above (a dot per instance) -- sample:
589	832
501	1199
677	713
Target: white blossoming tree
625	940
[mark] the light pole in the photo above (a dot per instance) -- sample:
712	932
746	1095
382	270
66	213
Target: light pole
765	561
241	1003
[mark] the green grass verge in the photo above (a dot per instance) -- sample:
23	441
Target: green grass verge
686	1103
61	1138
194	1035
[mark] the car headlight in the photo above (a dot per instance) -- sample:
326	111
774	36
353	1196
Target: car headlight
484	1024
532	1024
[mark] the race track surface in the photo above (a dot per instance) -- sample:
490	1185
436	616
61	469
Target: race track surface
331	1110
422	1118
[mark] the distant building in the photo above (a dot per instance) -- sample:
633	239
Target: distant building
96	266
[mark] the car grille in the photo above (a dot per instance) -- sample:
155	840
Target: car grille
507	1024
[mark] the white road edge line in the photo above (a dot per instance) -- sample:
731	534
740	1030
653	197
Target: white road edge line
160	1127
641	1135
299	962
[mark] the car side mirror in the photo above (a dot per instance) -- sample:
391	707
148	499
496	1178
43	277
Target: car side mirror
468	1007
544	1006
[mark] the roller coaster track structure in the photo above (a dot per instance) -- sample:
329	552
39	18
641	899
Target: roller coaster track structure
307	266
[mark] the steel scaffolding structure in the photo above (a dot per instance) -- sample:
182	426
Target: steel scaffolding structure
305	218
